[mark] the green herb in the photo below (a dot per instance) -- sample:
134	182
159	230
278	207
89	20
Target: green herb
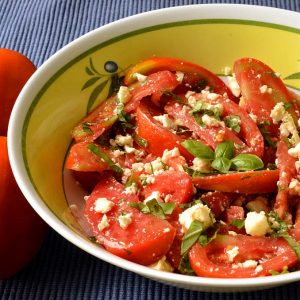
141	141
287	105
221	164
164	165
155	208
233	122
185	266
191	236
197	108
205	240
86	127
174	96
194	173
238	223
285	270
225	150
199	121
271	166
247	162
94	149
151	167
198	149
266	135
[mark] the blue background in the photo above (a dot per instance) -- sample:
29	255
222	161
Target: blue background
60	270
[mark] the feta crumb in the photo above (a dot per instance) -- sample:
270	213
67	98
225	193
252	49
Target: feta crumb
179	76
123	140
233	233
253	117
256	224
232	253
201	165
258	269
278	112
125	220
140	77
165	121
168	154
227	70
123	94
157	166
137	167
265	89
211	121
103	205
132	189
155	195
103	223
162	265
198	212
212	96
295	152
294	187
234	86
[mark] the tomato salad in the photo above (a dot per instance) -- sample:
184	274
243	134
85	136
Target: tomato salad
193	174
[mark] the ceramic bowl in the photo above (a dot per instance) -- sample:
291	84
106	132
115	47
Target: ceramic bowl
54	100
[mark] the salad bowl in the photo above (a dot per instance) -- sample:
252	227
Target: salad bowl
79	76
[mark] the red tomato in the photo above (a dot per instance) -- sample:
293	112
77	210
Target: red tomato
178	185
195	75
251	75
234	213
250	182
145	240
287	171
213	260
22	231
15	70
217	201
158	137
96	122
156	84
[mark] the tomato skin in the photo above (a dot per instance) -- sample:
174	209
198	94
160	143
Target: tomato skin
212	260
251	75
22	231
159	138
234	213
145	240
250	182
177	184
15	70
195	73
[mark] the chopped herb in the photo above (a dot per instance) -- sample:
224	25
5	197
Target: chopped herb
238	223
247	162
198	149
271	166
287	105
233	122
141	141
94	149
266	135
205	240
185	266
164	165
191	236
151	167
174	96
285	270
86	127
197	108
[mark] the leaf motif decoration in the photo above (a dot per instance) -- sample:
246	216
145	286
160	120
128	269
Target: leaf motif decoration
293	76
95	93
90	82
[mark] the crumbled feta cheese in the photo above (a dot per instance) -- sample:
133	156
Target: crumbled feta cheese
179	76
118	153
259	268
265	89
227	70
234	86
211	121
132	189
295	152
201	165
278	112
103	205
212	96
162	265
165	121
253	117
198	212
140	77
155	195
155	166
103	223
125	220
232	253
294	187
123	94
168	154
250	263
123	140
256	224
139	167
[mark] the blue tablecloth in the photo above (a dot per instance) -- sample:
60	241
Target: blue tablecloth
38	28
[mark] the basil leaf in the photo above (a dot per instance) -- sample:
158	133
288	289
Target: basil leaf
185	266
167	207
204	239
174	96
191	236
198	149
247	162
233	122
238	223
225	149
94	149
222	164
86	127
141	141
194	173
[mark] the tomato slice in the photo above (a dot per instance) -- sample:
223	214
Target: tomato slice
96	122
213	261
195	76
252	75
211	136
178	185
234	213
287	171
156	84
158	137
145	240
250	182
